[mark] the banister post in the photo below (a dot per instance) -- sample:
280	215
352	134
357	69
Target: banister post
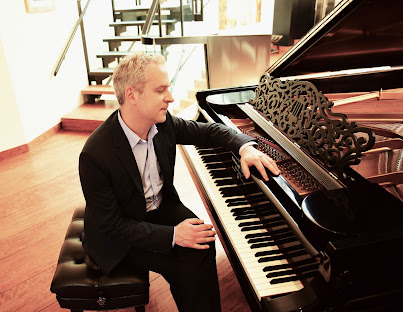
84	40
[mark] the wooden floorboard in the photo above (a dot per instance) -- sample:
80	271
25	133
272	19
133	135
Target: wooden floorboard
39	191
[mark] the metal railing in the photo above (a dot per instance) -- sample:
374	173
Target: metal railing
79	23
197	13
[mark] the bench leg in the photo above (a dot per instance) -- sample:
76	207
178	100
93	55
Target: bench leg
140	308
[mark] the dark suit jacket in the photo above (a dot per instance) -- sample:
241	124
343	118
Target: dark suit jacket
113	189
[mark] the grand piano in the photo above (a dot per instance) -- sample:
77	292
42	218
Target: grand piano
327	233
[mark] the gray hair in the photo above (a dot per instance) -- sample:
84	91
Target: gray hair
131	72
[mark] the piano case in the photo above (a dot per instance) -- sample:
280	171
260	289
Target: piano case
330	113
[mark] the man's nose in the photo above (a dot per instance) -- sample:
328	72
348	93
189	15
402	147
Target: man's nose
169	98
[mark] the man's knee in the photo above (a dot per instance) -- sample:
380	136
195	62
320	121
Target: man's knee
195	257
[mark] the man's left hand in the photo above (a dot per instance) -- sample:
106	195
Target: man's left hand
250	156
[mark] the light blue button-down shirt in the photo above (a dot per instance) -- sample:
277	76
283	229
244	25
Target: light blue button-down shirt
147	163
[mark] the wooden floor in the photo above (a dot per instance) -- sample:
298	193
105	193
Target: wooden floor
39	191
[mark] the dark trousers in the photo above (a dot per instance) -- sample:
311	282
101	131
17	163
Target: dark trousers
191	273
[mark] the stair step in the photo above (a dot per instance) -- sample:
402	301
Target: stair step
101	71
141	23
122	54
114	53
122	38
142	8
139	8
98	89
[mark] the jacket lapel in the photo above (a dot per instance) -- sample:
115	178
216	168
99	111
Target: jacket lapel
161	150
125	153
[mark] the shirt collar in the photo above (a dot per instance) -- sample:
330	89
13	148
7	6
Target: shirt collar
132	137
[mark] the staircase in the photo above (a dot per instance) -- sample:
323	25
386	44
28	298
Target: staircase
128	28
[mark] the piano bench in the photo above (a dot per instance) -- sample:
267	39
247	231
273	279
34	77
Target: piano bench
80	285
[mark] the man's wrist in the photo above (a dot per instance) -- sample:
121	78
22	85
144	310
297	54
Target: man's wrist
250	143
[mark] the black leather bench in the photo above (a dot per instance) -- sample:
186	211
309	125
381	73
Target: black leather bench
80	285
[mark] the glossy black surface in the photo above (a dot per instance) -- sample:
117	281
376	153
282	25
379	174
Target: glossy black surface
231	97
356	34
362	210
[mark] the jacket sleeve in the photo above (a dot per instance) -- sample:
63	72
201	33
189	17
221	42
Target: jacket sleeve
208	134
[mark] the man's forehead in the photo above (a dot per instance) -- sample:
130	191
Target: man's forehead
157	75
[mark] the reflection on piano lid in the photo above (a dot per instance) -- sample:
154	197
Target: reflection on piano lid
360	35
347	212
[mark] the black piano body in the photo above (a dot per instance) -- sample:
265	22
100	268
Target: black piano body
351	224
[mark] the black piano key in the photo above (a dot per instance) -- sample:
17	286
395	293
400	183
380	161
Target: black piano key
273	223
297	270
253	215
213	166
271	258
219	173
220	156
206	152
245	217
293	278
267	221
273	218
248	212
239	190
237	202
225	157
252	208
252	198
272	232
283	250
249	223
251	228
259	200
291	254
210	158
225	182
296	263
258	240
260	204
277	242
268	237
241	211
268	243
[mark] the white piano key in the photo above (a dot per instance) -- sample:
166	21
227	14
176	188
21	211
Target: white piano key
253	268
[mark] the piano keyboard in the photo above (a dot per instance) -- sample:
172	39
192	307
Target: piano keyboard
269	253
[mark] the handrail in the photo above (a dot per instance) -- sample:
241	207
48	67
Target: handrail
70	39
150	17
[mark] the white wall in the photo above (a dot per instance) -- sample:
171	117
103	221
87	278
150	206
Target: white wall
11	131
32	99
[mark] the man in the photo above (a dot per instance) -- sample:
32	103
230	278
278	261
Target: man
133	210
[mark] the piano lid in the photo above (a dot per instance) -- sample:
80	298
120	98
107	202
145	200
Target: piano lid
357	34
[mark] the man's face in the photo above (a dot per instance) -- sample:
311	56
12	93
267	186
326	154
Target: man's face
153	102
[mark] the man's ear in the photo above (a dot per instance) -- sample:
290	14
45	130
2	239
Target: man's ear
131	94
